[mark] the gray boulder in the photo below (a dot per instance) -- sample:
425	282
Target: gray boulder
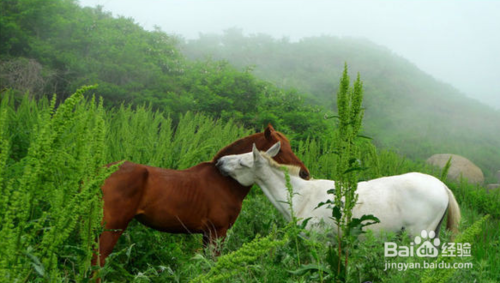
460	166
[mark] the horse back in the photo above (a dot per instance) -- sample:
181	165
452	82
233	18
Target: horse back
410	201
176	201
125	183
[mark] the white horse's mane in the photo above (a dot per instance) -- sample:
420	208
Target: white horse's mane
292	169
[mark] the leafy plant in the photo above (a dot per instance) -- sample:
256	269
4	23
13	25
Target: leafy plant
238	261
52	195
350	116
443	274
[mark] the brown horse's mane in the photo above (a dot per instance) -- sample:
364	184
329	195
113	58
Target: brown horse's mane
232	148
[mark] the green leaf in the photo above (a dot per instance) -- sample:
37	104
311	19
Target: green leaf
331	117
359	221
304	223
336	213
305	268
365	137
35	262
323	203
353	169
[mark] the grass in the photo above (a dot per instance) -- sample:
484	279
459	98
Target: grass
70	148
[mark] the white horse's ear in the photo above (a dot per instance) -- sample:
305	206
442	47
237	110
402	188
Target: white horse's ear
256	153
274	150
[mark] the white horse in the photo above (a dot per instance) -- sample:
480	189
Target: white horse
411	202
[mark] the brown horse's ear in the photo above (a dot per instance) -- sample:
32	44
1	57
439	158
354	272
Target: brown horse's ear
268	132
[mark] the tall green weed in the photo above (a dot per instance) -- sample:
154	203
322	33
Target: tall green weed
51	208
152	138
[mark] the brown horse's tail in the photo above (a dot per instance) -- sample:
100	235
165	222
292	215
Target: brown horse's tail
454	215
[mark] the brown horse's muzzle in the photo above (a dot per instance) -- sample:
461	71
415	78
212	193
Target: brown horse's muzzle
304	174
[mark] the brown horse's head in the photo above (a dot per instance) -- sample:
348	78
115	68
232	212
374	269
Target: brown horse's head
264	141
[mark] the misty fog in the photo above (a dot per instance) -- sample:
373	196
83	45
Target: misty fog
457	42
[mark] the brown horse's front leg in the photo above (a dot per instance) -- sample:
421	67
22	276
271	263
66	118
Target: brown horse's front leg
214	239
122	193
107	241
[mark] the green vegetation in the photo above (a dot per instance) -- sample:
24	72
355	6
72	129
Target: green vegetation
51	205
350	117
161	109
442	275
406	109
55	47
50	209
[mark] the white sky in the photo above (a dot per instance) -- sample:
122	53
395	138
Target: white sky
456	41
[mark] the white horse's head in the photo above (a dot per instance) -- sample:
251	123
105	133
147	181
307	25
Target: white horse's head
244	168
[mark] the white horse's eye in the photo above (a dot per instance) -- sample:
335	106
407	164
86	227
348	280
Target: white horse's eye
243	164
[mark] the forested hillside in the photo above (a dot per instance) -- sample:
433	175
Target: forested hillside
406	109
55	46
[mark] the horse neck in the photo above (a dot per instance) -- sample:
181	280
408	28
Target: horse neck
240	146
273	184
238	190
232	187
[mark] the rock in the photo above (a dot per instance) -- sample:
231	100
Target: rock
460	166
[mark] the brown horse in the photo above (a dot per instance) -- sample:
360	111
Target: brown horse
195	200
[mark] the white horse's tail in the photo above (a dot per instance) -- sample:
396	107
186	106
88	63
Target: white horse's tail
454	215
